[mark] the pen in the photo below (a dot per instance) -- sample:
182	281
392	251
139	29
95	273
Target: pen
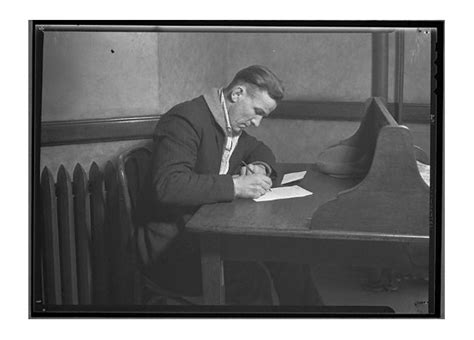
247	166
251	171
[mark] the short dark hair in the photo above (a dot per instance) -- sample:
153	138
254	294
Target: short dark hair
261	77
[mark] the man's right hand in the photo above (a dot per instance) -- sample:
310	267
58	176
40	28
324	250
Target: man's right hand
251	186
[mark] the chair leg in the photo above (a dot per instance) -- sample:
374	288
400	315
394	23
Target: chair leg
275	299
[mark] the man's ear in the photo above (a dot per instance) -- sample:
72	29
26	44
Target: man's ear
237	93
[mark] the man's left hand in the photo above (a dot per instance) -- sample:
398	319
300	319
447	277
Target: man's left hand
256	168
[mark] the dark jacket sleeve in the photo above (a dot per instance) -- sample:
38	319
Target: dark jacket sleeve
175	182
260	153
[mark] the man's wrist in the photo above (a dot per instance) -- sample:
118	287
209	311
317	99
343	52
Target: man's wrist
236	186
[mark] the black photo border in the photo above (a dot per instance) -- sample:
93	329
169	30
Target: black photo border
436	274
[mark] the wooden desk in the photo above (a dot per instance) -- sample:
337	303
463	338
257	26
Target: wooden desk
280	231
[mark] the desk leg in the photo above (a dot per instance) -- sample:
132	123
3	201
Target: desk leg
212	270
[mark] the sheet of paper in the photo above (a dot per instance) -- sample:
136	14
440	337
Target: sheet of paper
424	170
281	193
293	176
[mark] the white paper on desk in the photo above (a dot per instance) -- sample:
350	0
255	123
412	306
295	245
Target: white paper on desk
293	176
424	170
281	193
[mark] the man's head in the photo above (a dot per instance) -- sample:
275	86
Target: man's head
252	95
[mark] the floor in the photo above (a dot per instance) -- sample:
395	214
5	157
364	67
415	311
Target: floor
405	293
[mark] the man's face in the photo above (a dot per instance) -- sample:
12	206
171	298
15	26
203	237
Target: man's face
246	109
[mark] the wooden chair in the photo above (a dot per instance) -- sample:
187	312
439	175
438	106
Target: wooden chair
134	172
392	197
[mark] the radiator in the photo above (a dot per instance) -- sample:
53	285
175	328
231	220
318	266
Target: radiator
82	247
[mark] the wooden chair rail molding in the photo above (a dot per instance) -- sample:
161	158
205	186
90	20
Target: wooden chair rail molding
141	127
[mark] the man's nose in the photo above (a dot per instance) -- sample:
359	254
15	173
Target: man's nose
256	121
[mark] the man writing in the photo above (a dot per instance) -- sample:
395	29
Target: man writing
199	148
